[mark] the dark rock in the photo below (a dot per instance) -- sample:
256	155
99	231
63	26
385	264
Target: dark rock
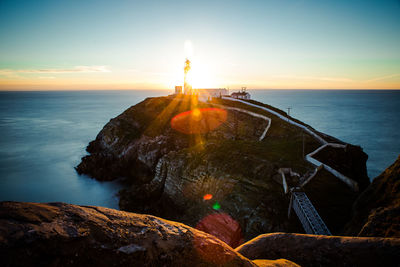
130	145
316	250
377	209
58	234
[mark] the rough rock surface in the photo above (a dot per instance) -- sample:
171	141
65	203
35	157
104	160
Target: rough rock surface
168	172
222	226
275	263
314	250
245	190
377	210
58	234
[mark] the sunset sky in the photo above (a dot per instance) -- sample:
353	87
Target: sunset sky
262	44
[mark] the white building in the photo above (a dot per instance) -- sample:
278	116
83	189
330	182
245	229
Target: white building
241	95
202	94
207	94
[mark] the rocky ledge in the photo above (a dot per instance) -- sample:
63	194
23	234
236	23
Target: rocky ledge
319	250
57	234
377	209
230	152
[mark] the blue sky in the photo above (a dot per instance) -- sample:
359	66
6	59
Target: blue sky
140	44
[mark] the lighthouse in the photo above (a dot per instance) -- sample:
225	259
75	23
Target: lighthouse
187	87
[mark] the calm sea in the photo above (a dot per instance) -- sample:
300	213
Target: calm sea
44	134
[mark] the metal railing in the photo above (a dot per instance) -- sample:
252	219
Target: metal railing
308	215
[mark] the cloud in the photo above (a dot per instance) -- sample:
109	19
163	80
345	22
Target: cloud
77	69
383	78
317	78
339	79
151	73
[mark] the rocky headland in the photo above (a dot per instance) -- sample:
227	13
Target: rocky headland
218	169
168	169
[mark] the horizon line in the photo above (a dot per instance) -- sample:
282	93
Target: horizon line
230	89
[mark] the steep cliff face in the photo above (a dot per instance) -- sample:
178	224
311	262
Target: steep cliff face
130	144
377	210
243	189
169	170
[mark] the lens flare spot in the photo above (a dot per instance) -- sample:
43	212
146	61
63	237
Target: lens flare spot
222	226
216	206
197	121
196	114
207	197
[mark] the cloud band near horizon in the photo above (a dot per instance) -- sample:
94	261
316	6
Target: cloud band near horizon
76	69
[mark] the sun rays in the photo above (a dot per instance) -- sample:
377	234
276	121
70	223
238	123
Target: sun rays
186	115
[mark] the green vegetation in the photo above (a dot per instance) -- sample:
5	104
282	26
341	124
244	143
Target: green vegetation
279	127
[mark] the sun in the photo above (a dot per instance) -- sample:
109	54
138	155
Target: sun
200	75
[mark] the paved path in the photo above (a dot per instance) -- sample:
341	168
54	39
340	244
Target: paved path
301	204
309	157
251	114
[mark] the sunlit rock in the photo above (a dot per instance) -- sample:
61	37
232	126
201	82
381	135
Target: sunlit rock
318	250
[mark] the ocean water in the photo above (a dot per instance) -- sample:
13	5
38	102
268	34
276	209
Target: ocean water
44	134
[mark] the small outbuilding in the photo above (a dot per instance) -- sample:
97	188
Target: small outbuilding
242	94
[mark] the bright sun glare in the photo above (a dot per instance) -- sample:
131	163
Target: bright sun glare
199	75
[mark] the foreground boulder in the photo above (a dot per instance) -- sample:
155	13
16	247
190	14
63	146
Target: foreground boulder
314	250
58	234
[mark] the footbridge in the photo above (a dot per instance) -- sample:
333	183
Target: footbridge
302	206
307	214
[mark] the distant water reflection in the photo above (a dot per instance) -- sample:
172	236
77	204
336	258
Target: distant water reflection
44	135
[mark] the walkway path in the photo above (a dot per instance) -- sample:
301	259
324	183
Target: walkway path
251	114
301	204
309	157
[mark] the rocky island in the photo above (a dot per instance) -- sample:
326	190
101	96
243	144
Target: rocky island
168	169
227	170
